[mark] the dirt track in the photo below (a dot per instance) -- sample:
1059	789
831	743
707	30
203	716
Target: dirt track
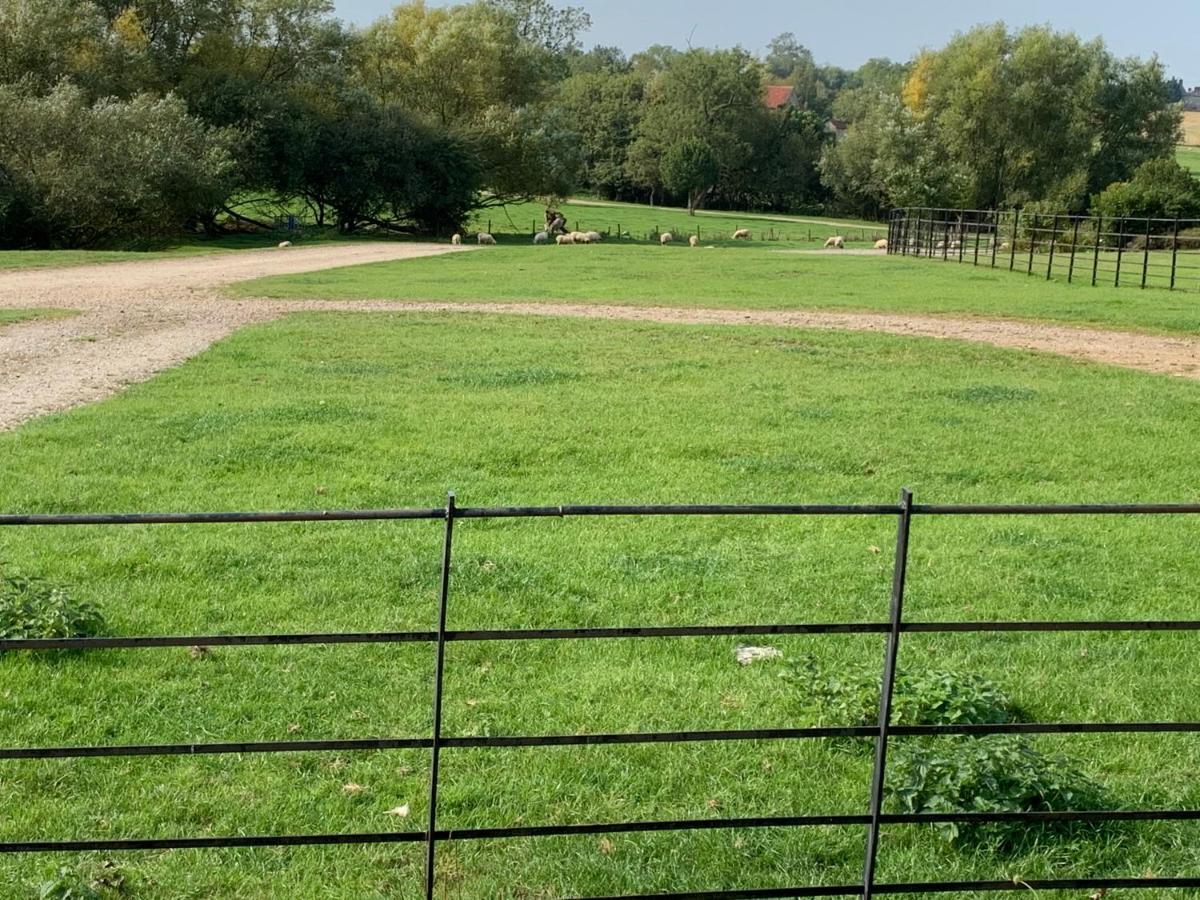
140	318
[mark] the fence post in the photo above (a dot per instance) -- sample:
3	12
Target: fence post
1074	245
977	231
1096	251
1053	246
892	651
1012	261
438	683
995	235
1146	254
1032	242
962	235
1174	252
945	235
1120	250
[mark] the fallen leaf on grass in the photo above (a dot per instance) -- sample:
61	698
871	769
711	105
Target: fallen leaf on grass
606	846
400	812
352	788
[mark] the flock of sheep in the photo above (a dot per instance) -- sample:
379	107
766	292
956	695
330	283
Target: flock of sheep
594	237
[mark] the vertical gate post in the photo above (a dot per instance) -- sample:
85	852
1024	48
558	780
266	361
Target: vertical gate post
995	235
1096	249
1053	247
1120	250
945	235
1146	254
1174	253
1074	246
1033	229
978	229
1012	261
438	683
899	576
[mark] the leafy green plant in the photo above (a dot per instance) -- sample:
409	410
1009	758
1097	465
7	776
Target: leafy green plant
994	774
851	697
954	773
36	608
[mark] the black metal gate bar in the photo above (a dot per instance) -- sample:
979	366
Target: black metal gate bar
891	653
438	689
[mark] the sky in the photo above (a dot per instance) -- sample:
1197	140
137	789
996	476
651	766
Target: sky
849	33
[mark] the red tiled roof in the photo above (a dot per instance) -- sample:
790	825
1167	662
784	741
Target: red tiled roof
778	95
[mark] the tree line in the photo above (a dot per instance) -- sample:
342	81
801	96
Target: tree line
128	119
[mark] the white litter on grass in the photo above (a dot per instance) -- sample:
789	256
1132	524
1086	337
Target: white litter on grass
747	655
400	812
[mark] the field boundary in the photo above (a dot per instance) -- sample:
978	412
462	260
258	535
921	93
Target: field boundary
1126	252
873	820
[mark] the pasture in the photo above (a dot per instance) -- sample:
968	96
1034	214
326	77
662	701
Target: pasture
1189	158
742	277
368	410
14	316
643	224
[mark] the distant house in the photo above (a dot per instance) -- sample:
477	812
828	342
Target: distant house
1191	100
781	96
837	128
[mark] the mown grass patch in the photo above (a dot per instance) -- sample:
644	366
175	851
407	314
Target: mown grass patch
16	316
330	411
744	277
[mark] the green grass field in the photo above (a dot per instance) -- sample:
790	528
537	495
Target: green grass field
14	316
1189	158
327	410
188	246
516	223
747	277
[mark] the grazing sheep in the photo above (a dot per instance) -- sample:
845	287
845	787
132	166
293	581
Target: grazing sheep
881	244
1006	246
956	245
541	237
742	234
486	239
284	245
693	241
836	243
579	237
665	239
594	237
456	240
564	239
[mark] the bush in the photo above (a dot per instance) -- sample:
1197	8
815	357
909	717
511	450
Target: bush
35	608
954	773
77	174
851	698
1160	189
994	774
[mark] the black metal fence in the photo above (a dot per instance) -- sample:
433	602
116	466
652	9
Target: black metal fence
873	820
1159	253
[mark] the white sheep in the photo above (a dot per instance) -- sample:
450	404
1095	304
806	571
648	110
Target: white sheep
836	243
594	237
486	239
742	234
881	244
693	241
456	240
541	237
284	245
665	239
564	239
578	237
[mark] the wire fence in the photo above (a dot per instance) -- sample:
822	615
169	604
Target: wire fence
883	733
1095	250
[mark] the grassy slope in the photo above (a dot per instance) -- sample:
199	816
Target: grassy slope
375	410
1189	158
13	316
742	277
646	222
23	259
